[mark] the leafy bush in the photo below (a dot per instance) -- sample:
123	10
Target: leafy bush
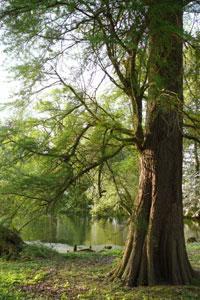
38	251
10	242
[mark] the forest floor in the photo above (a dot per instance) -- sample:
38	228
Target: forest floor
41	273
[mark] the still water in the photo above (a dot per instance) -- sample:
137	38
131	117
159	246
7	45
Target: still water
84	231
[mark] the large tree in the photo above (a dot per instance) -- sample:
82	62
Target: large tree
156	251
139	47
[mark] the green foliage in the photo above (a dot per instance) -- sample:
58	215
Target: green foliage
118	200
45	160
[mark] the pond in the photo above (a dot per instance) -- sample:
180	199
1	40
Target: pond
85	231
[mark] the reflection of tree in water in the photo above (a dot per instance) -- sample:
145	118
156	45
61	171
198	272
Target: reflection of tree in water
106	232
192	229
60	229
52	228
42	229
82	230
73	230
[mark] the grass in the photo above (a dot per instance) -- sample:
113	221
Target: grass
43	274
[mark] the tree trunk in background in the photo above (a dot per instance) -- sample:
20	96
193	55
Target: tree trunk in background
155	251
196	162
196	157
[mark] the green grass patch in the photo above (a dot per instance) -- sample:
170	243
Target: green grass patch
193	250
43	274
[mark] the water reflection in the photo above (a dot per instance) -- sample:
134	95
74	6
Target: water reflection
84	231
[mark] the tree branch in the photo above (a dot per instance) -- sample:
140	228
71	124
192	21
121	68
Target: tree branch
191	137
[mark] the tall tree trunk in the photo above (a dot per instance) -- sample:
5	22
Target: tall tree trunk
155	251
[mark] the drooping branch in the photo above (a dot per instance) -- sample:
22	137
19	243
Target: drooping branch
186	2
48	153
78	95
84	171
191	137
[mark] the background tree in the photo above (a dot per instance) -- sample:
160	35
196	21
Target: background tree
191	129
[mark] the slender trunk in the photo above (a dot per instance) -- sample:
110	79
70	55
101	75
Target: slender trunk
196	162
155	251
196	157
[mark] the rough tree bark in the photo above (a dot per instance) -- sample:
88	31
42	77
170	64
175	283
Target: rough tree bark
155	251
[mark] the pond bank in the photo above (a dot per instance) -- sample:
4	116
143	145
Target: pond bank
64	248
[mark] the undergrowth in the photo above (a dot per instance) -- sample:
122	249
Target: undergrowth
41	273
